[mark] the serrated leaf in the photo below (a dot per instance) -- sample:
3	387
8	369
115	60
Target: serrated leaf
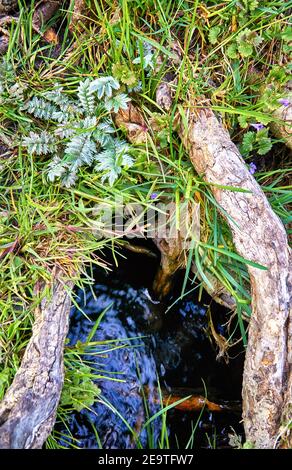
245	49
86	96
287	34
232	51
213	34
242	120
248	142
265	146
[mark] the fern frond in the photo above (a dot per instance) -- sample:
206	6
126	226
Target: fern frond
86	96
40	144
40	108
102	133
81	149
106	126
69	179
104	86
117	102
112	159
16	91
56	168
89	122
64	131
58	97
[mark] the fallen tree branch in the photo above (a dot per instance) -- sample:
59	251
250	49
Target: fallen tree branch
28	410
172	259
259	236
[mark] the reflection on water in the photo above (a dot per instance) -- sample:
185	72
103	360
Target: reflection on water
133	364
172	345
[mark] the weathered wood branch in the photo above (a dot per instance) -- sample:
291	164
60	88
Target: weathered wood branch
28	410
172	259
258	235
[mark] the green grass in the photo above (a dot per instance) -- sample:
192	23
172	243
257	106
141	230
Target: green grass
35	215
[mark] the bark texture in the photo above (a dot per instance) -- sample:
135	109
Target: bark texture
172	259
259	236
28	410
216	289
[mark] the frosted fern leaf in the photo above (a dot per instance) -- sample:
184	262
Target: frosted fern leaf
86	96
64	131
102	133
69	179
104	86
106	126
56	168
40	144
147	57
58	97
112	159
81	148
117	102
88	123
40	108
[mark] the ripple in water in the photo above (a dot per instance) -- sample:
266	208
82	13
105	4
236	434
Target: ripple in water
148	343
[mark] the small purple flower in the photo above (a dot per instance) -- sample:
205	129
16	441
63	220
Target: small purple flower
153	196
252	168
284	102
257	126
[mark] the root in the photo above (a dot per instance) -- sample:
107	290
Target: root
259	236
28	410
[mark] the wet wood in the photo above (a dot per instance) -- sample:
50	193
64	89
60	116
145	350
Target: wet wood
214	287
140	250
259	236
173	258
28	410
170	261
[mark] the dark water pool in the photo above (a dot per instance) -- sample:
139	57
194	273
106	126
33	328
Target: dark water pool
154	342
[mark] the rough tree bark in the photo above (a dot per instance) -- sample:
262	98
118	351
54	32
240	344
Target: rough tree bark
259	236
28	410
172	259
